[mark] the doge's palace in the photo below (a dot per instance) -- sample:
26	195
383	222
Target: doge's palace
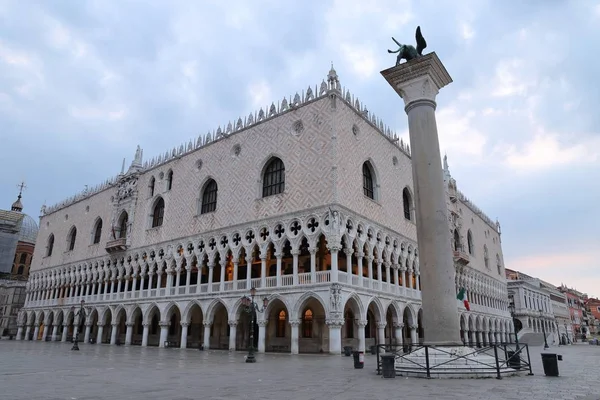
309	200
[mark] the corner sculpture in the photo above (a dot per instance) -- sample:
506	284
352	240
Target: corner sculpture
409	52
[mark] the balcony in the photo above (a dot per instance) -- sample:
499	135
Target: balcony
117	245
461	257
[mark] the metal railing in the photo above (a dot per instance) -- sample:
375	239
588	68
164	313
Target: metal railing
506	358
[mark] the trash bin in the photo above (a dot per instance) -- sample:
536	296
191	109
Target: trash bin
550	362
388	367
347	351
373	350
514	359
359	359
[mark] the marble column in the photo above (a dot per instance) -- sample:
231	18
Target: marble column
27	332
211	265
418	82
413	334
113	333
232	334
19	332
381	332
206	336
295	254
164	333
398	332
262	337
36	332
184	334
45	332
86	336
145	335
295	349
64	333
128	333
335	336
361	335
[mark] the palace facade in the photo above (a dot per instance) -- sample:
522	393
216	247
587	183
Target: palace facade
309	201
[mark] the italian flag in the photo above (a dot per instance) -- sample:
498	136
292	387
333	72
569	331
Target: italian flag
462	296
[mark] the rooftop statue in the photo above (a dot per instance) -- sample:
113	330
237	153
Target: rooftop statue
407	51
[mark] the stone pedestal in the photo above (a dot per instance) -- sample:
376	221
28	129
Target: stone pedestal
418	82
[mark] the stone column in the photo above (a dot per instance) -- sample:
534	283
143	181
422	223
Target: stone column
145	335
113	333
262	338
361	335
333	251
128	333
398	332
184	333
359	267
248	272
349	252
86	336
36	332
211	265
413	334
396	279
294	328
235	273
418	83
206	337
335	336
313	265
222	264
381	332
295	254
45	332
263	270
466	337
370	270
379	272
232	334
19	332
164	333
27	332
278	269
64	333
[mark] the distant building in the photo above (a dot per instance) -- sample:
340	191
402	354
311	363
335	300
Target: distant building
576	301
18	233
562	316
593	308
534	313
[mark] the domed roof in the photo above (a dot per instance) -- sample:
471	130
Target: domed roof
29	230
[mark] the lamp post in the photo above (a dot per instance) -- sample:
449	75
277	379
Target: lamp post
511	308
252	308
80	314
544	330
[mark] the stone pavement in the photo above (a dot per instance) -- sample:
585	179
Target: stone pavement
49	371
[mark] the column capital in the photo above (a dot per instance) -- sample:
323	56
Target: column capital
295	252
381	325
362	323
207	324
348	251
233	323
294	323
164	324
419	80
128	324
413	327
334	322
262	322
185	324
398	325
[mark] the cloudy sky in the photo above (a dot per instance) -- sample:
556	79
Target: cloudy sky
83	82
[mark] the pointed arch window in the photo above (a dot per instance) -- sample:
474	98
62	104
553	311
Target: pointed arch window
486	258
406	202
158	213
307	324
470	242
280	331
349	320
151	186
368	184
170	180
71	239
209	197
123	222
50	246
97	232
457	245
274	178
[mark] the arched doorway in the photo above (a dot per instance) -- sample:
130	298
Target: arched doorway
137	327
153	321
350	334
196	328
173	318
242	339
50	327
106	327
391	319
59	325
407	321
93	319
121	327
312	329
278	332
219	330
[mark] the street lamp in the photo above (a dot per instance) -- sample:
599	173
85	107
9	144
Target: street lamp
80	314
544	330
511	308
252	308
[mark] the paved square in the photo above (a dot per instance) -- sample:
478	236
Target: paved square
48	371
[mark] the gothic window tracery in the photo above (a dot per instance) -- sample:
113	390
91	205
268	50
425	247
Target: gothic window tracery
368	180
71	239
406	203
169	179
123	222
209	197
158	213
274	178
97	231
151	186
486	259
